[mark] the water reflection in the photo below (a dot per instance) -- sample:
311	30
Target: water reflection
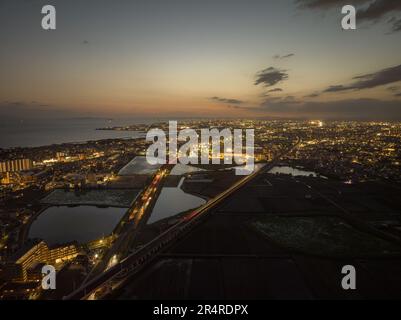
84	223
293	171
172	201
180	169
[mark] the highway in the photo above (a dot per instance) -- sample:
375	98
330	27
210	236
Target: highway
115	276
126	231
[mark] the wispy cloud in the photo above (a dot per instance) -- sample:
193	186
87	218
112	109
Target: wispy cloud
393	88
312	95
286	56
271	76
353	109
277	103
225	100
247	108
379	8
372	80
271	99
396	24
27	104
275	90
29	109
325	4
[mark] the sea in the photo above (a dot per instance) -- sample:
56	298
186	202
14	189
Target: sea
43	132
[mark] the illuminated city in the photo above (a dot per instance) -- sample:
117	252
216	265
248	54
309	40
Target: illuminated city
352	155
307	207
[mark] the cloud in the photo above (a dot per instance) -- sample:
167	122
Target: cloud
396	25
29	104
248	108
271	99
369	10
277	102
393	88
30	109
290	99
271	76
336	88
312	95
372	80
286	56
326	4
225	100
15	103
353	109
275	90
379	8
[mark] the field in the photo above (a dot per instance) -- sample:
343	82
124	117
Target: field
111	198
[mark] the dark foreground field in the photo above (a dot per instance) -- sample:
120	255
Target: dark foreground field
283	237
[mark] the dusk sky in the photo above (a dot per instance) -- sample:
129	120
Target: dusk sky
223	58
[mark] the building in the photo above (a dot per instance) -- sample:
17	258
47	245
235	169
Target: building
23	264
20	290
16	165
60	156
6	178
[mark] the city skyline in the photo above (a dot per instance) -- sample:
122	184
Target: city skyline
249	59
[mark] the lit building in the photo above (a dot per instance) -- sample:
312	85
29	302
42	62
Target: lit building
20	290
6	178
25	261
60	156
16	165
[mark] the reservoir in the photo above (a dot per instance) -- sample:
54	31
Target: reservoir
58	225
293	171
172	201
